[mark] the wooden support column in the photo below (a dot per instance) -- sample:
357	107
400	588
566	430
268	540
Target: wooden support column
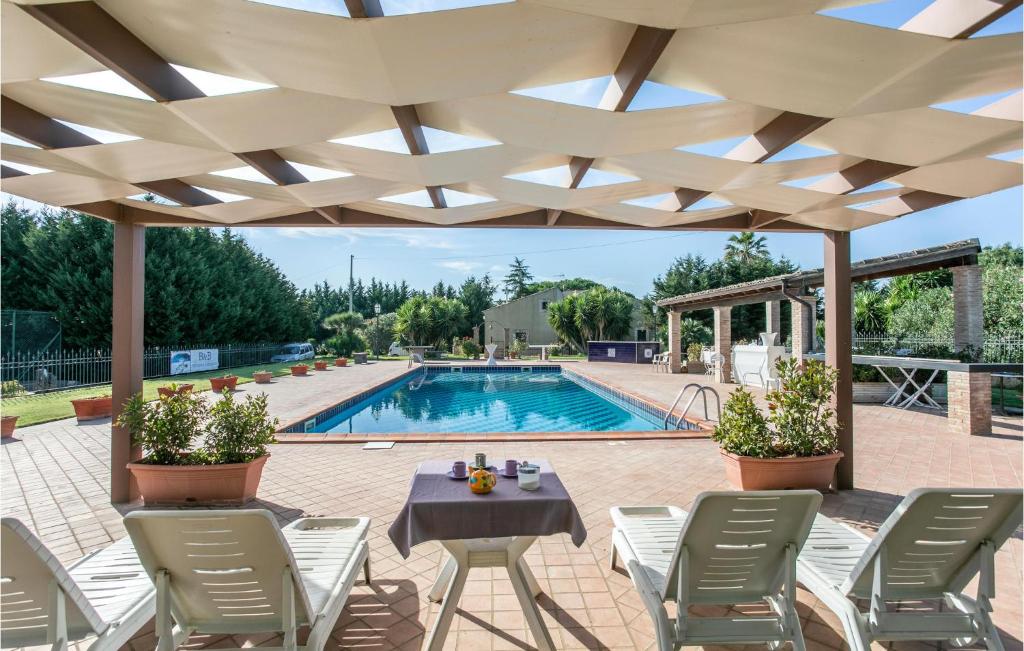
675	344
839	343
127	349
723	341
773	317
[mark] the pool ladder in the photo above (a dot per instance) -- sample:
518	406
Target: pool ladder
702	391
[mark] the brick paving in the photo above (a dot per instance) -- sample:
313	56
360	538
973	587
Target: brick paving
55	478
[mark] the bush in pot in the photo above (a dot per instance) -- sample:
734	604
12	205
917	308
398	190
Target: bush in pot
796	445
471	349
224	469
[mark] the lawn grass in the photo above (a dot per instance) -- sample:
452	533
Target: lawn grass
44	407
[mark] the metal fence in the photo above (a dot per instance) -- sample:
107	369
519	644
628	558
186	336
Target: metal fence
1004	350
65	369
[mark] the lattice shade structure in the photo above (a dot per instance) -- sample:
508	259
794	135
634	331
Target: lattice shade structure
311	83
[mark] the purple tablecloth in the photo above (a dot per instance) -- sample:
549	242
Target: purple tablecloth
440	508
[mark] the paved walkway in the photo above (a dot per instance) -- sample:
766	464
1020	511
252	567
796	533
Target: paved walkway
55	478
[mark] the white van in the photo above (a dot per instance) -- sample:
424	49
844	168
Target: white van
293	353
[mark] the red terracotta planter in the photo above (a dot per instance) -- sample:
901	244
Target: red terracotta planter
218	384
320	366
7	424
300	369
168	391
341	361
753	474
262	378
93	408
229	484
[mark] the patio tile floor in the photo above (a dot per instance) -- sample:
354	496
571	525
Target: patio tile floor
55	478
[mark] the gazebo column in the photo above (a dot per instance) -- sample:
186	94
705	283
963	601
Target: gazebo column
802	326
839	343
127	349
675	344
773	317
968	316
723	342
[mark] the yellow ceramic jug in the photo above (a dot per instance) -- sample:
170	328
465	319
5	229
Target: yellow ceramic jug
481	481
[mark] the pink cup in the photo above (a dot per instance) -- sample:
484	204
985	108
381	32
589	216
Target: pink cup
459	469
511	467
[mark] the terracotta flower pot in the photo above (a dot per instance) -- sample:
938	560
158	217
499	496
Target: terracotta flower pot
7	424
168	391
300	369
753	474
341	361
229	484
218	384
262	377
93	408
320	366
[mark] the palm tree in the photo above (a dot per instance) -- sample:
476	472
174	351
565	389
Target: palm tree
562	318
746	246
344	322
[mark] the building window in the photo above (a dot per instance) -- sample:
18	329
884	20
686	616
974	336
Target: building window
543	306
522	335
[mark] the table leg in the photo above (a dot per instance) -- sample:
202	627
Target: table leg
444	577
916	397
897	390
460	554
518	572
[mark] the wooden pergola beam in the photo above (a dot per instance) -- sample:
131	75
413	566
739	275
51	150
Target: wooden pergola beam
364	8
94	31
761	218
958	19
178	191
775	136
412	130
10	173
858	176
642	52
42	131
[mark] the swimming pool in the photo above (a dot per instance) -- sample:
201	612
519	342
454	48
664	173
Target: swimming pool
472	399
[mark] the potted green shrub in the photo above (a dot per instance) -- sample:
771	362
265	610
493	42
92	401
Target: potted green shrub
262	377
218	384
516	348
224	469
299	369
694	364
796	445
471	349
173	388
92	408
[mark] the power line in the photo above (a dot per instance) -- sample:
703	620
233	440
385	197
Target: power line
500	255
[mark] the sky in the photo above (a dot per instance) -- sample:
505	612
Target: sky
626	259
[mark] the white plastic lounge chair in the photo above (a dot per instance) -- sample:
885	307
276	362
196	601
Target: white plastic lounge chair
105	595
235	572
931	546
732	548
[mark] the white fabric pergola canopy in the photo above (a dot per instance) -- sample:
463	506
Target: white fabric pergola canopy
786	75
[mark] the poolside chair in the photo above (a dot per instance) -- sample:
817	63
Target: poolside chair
931	546
234	572
732	548
105	595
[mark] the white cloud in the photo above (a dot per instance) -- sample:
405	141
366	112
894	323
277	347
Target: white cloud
462	266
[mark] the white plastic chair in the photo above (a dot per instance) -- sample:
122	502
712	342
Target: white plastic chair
931	546
732	548
717	362
234	572
660	361
105	595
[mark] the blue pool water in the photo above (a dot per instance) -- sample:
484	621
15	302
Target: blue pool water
487	402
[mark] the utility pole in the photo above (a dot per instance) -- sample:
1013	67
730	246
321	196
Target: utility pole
351	286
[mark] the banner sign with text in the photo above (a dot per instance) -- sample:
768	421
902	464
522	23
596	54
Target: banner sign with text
189	361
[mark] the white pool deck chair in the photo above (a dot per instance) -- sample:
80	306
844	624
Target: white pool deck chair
931	547
732	548
105	595
235	572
